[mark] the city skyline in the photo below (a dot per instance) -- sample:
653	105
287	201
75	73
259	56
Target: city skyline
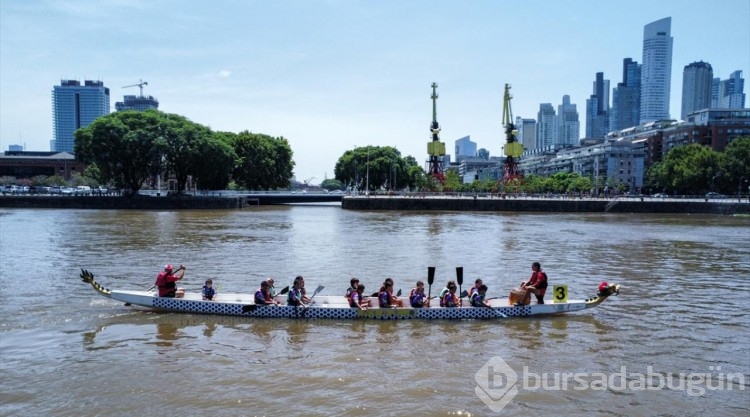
331	76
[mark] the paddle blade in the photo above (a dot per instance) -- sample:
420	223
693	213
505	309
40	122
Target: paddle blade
284	290
374	294
319	289
464	294
430	275
460	275
398	294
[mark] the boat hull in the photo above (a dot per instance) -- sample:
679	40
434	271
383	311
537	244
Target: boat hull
337	307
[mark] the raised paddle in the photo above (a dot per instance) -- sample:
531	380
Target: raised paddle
430	280
460	278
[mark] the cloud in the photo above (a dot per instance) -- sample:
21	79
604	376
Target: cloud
225	73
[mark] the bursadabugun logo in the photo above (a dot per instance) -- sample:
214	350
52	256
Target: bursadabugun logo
496	383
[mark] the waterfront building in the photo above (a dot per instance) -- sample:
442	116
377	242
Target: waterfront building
75	106
139	103
547	129
570	128
597	109
729	93
697	79
29	164
656	70
626	97
526	132
465	148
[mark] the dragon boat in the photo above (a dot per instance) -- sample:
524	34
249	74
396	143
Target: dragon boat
337	307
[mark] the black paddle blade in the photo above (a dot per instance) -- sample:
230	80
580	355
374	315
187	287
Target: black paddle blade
398	294
460	275
284	290
464	294
374	294
430	275
248	308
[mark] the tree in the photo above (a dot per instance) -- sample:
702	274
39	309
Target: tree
214	161
735	165
127	147
263	162
184	143
689	169
332	184
377	167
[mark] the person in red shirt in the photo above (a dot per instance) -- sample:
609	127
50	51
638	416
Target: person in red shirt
537	284
167	279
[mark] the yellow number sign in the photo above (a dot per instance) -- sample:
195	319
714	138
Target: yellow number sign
560	293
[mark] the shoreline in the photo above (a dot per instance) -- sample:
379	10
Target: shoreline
394	203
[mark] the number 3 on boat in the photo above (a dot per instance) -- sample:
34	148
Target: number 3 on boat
560	294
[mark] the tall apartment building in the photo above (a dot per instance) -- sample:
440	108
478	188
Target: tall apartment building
626	97
139	103
597	109
546	126
729	93
697	79
526	132
570	127
656	70
75	106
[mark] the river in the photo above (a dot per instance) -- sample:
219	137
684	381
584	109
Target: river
676	341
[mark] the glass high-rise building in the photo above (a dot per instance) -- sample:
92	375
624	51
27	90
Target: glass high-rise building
547	129
597	109
570	127
139	103
697	79
626	98
729	93
75	106
656	70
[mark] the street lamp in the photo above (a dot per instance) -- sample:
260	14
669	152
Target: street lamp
713	179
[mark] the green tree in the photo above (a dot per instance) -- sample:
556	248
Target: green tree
689	169
332	184
214	161
263	162
377	167
127	146
735	166
184	141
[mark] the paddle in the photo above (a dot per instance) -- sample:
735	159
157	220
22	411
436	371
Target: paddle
317	290
250	307
174	272
430	280
460	278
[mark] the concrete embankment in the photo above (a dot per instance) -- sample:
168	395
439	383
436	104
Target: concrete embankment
122	203
634	205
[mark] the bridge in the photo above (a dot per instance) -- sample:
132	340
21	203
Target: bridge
264	199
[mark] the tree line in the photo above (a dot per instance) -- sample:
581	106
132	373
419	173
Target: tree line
130	148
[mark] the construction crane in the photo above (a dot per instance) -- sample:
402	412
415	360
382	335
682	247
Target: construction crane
140	85
512	149
435	148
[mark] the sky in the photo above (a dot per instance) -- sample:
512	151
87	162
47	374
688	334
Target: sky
332	75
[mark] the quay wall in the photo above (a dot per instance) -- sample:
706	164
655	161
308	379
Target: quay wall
635	205
122	203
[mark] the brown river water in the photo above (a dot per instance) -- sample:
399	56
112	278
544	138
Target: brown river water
676	341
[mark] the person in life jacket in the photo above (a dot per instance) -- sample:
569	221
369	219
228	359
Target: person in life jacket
385	295
477	299
537	283
263	295
451	299
417	298
475	288
166	282
397	302
295	297
356	299
208	292
445	291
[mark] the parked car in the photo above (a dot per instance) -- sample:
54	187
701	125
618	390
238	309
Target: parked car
715	196
660	195
83	190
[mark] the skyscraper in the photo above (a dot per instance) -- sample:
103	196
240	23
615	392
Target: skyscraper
526	132
570	127
597	109
465	148
729	93
656	70
546	126
626	97
697	79
75	106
